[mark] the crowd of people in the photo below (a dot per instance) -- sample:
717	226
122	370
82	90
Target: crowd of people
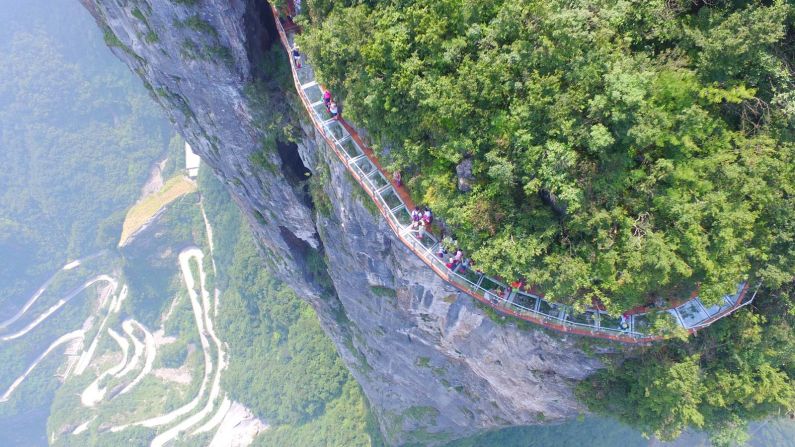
421	220
454	256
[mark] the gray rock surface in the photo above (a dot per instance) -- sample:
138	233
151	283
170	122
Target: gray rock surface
433	365
464	173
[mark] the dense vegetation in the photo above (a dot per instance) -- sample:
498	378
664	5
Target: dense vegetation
77	136
621	150
282	365
79	133
741	369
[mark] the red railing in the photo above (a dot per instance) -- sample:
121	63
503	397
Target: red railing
500	304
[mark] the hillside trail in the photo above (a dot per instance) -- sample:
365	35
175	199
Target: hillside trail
37	294
74	335
59	304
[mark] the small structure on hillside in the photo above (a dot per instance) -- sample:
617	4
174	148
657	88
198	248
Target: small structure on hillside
192	161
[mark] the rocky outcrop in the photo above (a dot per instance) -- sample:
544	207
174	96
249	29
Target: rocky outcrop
432	363
464	173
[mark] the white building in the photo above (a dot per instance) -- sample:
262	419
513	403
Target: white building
192	162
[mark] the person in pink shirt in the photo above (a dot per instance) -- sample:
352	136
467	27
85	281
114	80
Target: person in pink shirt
327	99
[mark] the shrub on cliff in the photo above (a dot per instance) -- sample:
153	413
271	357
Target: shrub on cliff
625	151
620	150
741	369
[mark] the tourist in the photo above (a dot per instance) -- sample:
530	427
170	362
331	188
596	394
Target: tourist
297	57
451	264
624	324
327	99
459	255
421	229
427	216
416	216
465	264
398	179
442	252
332	108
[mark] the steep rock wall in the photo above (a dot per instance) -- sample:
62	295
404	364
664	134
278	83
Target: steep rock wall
433	365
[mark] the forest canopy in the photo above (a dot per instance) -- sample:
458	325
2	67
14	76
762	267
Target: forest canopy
283	367
620	150
77	135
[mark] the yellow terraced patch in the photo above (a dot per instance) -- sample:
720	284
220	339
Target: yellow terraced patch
147	208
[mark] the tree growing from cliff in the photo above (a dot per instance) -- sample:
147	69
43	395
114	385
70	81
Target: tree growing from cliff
621	150
741	369
625	151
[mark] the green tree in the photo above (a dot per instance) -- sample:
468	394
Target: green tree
741	369
620	149
624	151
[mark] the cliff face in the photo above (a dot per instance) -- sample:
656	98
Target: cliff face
432	364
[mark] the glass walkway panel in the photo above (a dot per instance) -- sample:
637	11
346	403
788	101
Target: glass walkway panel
314	93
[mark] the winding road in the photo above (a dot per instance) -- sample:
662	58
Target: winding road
66	338
202	312
208	409
138	348
151	352
125	347
74	335
93	392
167	436
87	355
55	307
215	390
191	419
36	295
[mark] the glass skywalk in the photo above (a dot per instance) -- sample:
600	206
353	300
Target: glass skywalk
691	315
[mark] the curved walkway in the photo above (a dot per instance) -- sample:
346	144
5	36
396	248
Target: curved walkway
394	204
